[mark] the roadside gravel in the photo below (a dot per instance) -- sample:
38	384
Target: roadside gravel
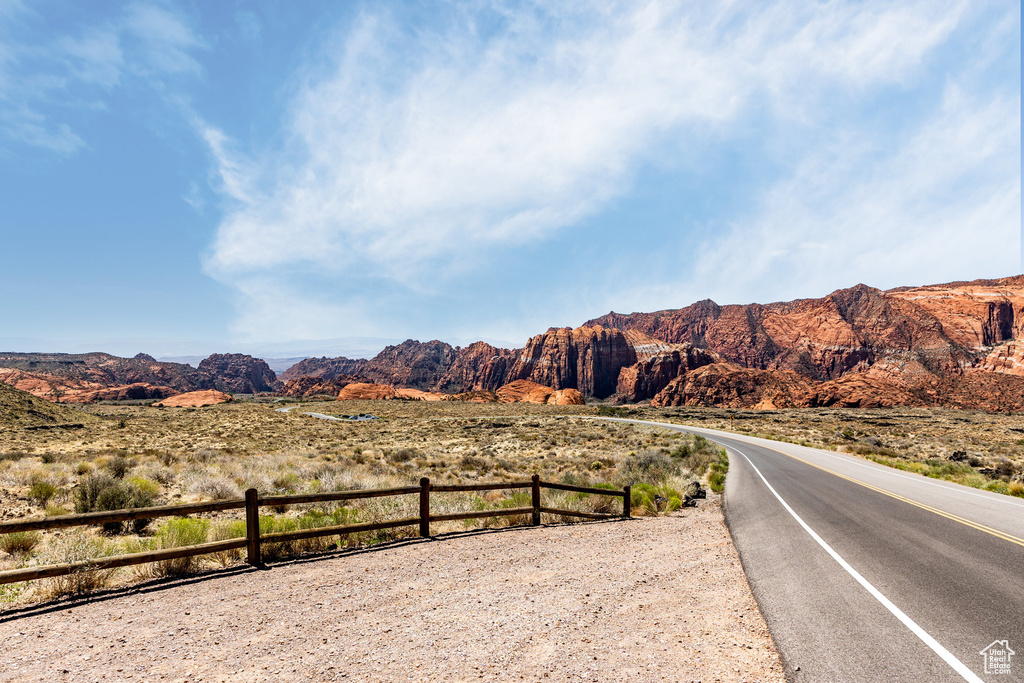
649	599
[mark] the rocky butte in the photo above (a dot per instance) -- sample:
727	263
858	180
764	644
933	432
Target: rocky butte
957	344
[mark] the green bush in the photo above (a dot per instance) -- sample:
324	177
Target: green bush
41	492
119	466
98	492
20	542
716	474
178	533
698	455
651	467
645	498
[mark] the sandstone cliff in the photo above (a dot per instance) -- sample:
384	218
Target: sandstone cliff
308	385
236	373
362	391
525	391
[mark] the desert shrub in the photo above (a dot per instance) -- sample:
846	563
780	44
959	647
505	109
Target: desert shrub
41	492
652	500
76	546
178	533
716	474
698	455
102	492
1004	468
648	466
20	542
89	489
472	462
119	465
403	455
214	488
612	411
225	531
54	510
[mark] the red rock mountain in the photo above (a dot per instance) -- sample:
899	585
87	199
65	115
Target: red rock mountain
236	373
958	344
954	344
87	377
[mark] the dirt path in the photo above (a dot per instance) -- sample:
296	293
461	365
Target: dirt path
651	599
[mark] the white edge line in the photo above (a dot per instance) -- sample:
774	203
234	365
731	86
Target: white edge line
955	663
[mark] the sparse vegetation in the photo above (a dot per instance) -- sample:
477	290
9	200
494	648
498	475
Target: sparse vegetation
173	456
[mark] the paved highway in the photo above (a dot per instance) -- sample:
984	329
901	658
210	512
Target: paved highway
866	573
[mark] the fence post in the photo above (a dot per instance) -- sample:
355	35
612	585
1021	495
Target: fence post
252	527
627	500
536	500
424	507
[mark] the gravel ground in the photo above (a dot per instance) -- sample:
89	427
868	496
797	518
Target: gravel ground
650	599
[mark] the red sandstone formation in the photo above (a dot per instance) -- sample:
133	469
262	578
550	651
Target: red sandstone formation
417	395
307	386
192	399
525	391
130	392
364	391
236	373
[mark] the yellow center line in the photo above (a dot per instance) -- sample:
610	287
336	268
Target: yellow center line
929	508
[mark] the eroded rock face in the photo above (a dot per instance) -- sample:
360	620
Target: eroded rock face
587	359
365	391
130	392
307	386
731	386
194	399
417	395
478	367
237	373
55	375
525	391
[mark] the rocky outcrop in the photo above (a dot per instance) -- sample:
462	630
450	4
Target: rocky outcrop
478	367
130	392
236	373
362	391
194	399
100	370
61	376
417	395
731	386
587	359
307	386
862	346
1005	359
525	391
324	368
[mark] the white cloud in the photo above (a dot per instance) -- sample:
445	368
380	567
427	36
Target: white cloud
420	154
41	74
944	205
504	141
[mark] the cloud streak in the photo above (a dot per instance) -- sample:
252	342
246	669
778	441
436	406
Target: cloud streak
42	75
419	154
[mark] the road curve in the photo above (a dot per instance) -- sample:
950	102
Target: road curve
866	573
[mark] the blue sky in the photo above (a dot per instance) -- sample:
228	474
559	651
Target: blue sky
190	177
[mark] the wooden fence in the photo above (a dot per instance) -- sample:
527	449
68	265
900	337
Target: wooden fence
254	540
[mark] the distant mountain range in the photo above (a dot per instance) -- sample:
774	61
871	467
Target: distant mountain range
958	344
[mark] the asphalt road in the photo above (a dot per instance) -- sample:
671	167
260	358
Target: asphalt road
865	573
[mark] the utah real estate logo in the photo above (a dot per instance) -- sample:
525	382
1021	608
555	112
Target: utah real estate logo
997	657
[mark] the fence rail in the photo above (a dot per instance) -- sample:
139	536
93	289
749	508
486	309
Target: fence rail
254	541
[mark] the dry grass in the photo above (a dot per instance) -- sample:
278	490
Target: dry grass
185	455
